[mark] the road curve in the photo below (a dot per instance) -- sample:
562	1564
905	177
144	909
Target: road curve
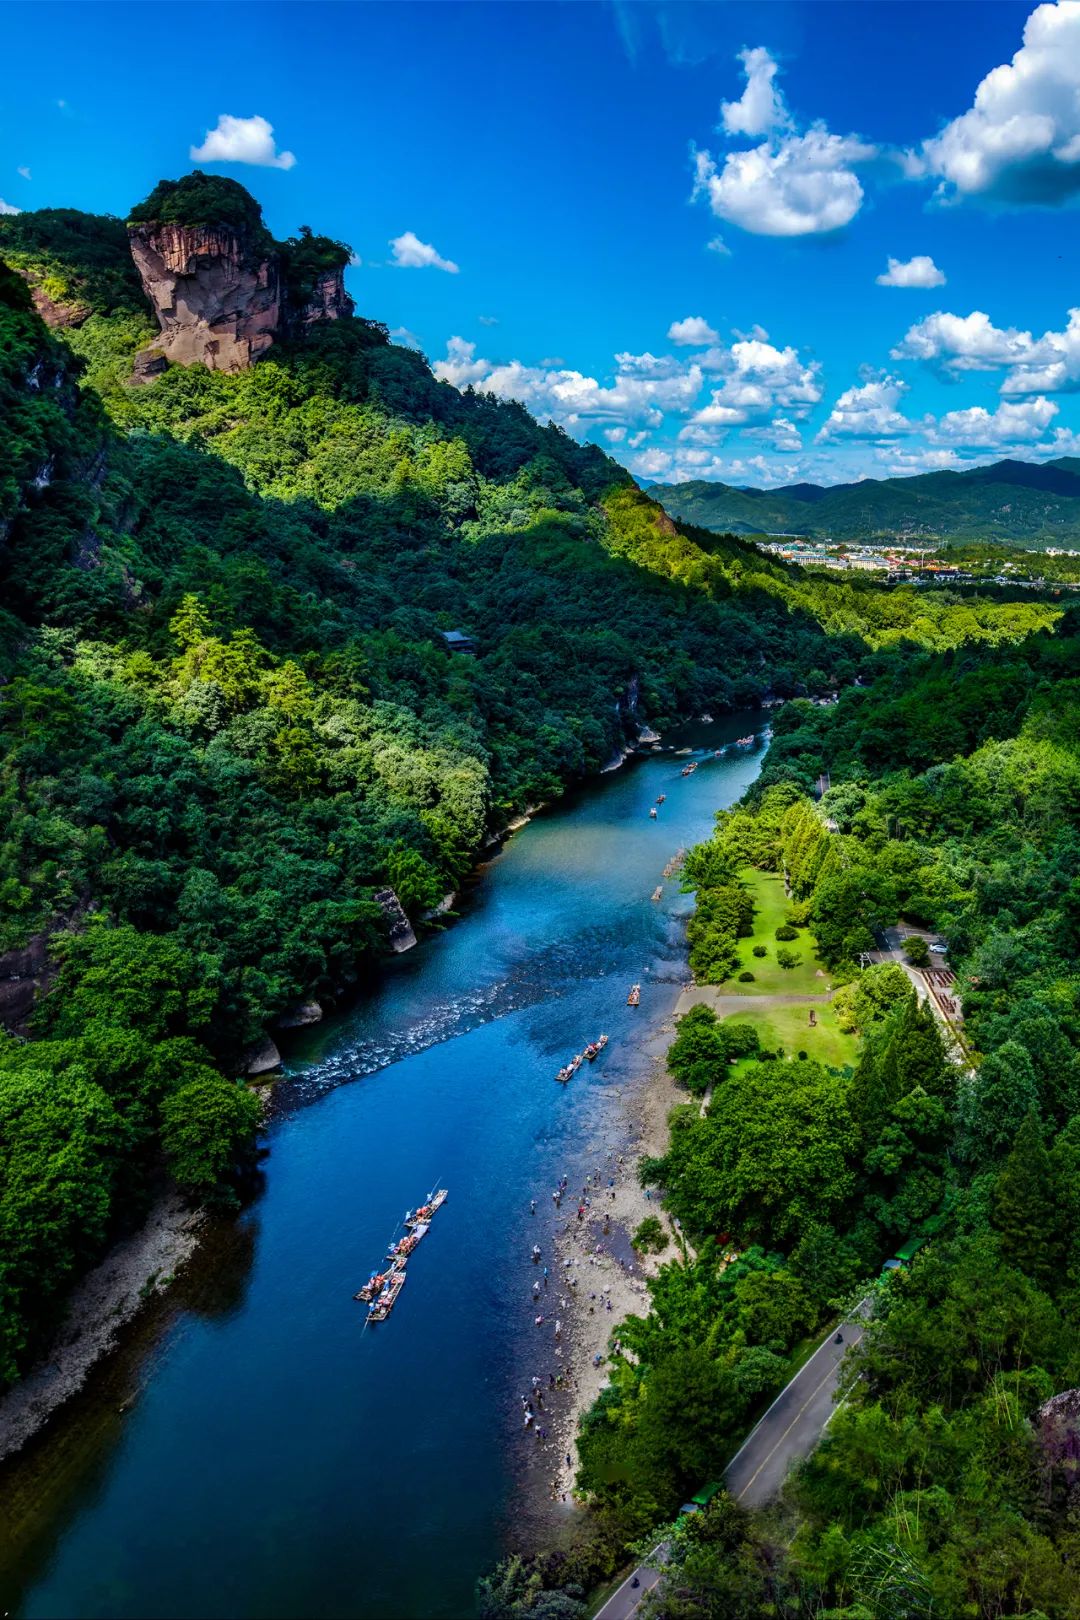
788	1432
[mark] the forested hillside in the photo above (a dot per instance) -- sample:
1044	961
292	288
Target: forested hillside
1019	503
230	717
946	1484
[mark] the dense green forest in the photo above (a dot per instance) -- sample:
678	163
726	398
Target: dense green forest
229	715
1019	503
943	1486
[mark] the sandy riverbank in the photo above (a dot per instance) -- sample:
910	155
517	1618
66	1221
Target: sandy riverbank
106	1300
595	1263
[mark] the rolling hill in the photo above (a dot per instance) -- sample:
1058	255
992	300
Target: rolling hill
1017	502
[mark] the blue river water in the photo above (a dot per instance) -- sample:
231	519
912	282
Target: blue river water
254	1449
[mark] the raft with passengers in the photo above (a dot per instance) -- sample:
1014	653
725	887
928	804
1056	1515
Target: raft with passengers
380	1292
591	1050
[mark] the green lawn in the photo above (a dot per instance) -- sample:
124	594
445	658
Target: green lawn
789	1027
810	978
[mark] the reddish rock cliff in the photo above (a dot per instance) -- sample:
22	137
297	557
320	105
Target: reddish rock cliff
216	301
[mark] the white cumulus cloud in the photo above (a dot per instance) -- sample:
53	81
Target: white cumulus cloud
1019	143
921	271
644	387
761	106
23	171
757	378
693	332
8	208
791	184
242	140
1008	424
955	343
868	412
412	254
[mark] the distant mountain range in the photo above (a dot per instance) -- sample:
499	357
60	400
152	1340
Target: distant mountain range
1021	502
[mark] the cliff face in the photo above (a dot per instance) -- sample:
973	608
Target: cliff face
215	300
328	301
221	296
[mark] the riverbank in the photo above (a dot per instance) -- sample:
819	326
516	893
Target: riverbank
100	1308
602	1279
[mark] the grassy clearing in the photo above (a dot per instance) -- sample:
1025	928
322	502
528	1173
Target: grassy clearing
789	1027
810	978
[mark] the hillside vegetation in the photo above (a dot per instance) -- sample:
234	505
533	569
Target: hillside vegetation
1016	502
229	716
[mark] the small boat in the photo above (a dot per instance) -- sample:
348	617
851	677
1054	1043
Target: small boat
634	997
378	1281
436	1200
688	770
381	1307
744	742
402	1249
706	720
660	797
652	813
718	753
658	892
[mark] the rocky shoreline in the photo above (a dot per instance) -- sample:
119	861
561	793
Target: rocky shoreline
598	1279
99	1309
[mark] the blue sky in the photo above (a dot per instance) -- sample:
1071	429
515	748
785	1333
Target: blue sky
664	226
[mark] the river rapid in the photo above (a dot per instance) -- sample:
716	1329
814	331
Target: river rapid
253	1449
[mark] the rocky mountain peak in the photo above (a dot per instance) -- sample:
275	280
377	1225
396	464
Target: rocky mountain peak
222	289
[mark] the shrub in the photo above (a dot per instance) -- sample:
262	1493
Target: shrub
917	951
788	959
759	950
746	977
740	1040
650	1237
802	1057
785	931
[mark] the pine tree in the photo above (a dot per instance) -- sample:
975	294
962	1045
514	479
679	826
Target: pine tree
1025	1206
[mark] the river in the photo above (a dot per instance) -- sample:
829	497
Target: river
253	1449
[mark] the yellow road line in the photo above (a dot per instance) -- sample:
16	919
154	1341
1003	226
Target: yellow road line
769	1455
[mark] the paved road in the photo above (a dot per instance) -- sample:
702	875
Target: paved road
788	1432
792	1426
623	1602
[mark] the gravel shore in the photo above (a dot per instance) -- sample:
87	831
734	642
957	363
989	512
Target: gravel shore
99	1308
598	1280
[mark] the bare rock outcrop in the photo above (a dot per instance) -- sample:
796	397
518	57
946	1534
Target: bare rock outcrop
262	1058
399	927
24	974
55	313
216	300
328	300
